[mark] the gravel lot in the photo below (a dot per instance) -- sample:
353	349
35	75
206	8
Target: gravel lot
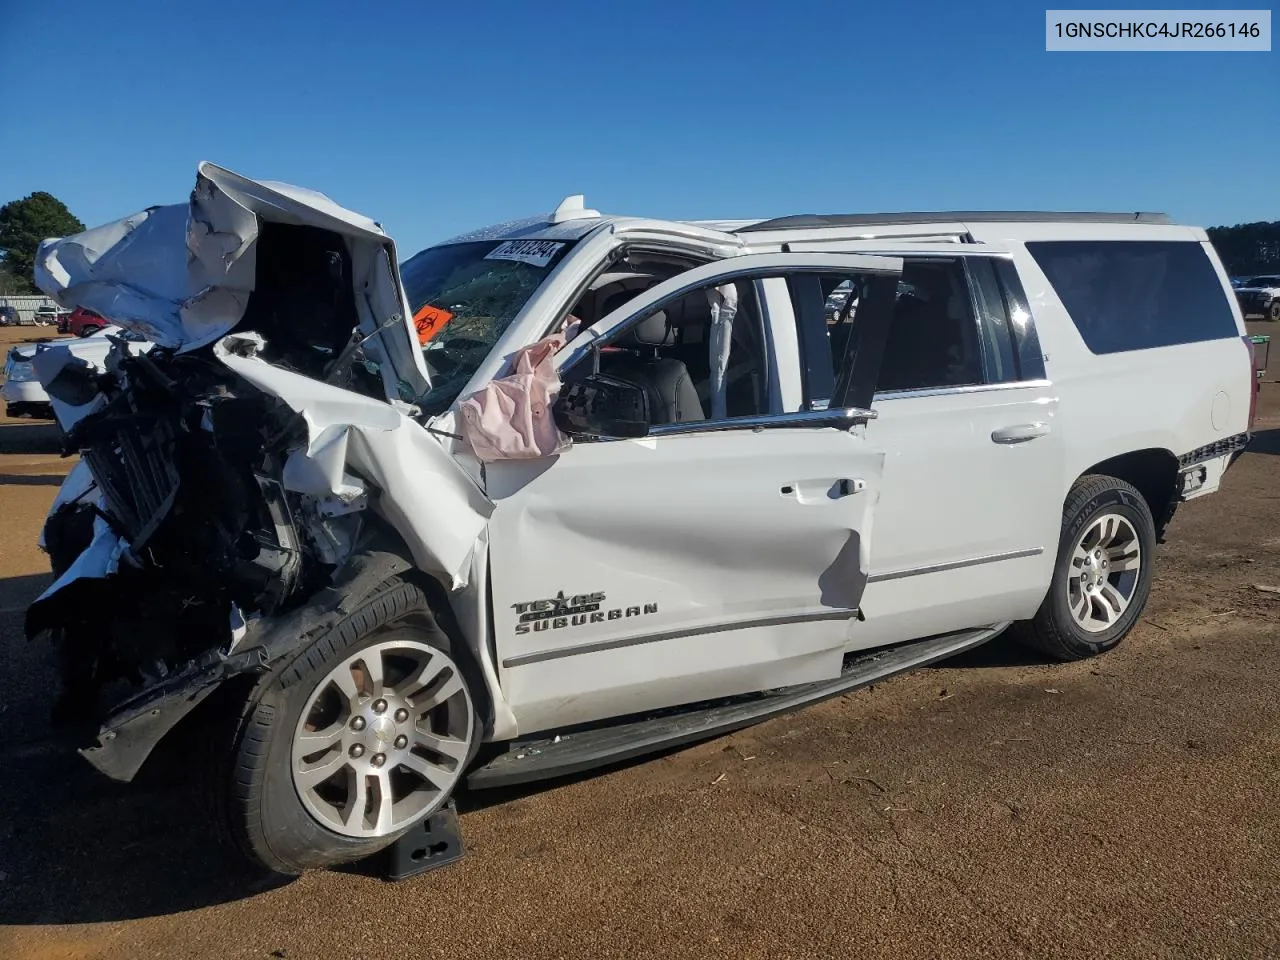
994	806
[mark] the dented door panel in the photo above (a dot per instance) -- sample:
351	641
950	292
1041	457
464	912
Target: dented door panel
637	574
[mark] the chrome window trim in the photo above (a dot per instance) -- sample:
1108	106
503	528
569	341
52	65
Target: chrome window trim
745	266
968	388
840	417
1004	258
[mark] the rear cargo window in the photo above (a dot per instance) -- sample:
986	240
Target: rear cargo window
1133	295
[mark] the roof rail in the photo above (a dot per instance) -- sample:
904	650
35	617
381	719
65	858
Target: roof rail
806	221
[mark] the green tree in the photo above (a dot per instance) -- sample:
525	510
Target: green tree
1248	247
23	224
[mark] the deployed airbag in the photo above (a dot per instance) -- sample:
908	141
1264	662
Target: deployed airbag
510	418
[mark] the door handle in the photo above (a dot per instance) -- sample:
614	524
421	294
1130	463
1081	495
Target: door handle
819	491
847	487
1020	433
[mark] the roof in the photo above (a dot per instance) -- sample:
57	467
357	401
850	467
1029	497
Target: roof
806	221
540	228
531	228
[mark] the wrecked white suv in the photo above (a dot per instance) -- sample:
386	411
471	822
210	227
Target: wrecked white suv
574	489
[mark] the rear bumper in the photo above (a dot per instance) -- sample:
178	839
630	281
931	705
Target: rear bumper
1201	470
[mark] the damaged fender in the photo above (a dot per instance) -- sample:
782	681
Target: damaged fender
216	526
423	493
139	724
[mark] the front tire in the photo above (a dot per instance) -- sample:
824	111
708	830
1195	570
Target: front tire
361	736
1102	577
1273	311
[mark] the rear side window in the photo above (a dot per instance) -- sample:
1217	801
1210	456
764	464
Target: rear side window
933	341
1133	295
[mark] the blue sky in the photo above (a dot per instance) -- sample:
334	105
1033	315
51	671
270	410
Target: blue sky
436	118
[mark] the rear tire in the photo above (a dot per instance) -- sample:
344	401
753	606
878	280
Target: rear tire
265	801
1102	577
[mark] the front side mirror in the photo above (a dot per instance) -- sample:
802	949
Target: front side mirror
602	406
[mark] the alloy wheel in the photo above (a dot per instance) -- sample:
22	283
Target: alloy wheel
1103	576
383	739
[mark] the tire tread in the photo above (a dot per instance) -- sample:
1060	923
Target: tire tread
239	778
1043	631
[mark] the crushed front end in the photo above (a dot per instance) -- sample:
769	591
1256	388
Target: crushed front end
251	464
184	540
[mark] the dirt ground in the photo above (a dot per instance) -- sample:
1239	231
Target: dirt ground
995	806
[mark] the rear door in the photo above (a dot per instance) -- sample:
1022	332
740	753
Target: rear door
712	557
968	521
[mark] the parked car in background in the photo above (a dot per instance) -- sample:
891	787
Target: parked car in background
82	323
22	392
50	315
1260	296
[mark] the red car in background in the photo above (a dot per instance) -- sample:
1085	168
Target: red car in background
81	322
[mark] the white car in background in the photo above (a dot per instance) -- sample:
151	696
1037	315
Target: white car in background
1260	296
22	391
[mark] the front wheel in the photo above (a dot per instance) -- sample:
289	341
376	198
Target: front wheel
1273	311
1102	577
363	735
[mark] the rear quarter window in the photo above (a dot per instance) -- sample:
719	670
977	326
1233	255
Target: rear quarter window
1134	295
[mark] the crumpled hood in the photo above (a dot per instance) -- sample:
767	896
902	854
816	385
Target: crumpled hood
433	504
181	275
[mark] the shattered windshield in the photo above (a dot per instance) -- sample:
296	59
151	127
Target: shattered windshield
464	296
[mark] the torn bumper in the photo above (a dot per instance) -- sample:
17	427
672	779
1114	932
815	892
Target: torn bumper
127	738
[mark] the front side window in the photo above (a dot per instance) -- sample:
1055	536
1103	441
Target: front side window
464	296
700	357
1136	294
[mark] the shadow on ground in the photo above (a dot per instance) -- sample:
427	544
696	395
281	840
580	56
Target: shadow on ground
32	480
34	436
16	593
1266	442
92	850
76	847
87	849
1004	651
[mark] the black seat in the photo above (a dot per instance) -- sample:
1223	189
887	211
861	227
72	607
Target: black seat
917	351
665	380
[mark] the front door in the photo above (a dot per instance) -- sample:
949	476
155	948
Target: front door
717	555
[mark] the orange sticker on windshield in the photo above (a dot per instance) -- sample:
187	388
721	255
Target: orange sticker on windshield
429	321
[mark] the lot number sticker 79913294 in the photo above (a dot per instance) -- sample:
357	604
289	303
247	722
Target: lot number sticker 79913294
536	252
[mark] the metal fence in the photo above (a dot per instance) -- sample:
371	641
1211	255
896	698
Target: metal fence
31	309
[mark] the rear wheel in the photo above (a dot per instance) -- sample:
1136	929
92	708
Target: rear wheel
1273	311
1103	573
88	331
363	735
